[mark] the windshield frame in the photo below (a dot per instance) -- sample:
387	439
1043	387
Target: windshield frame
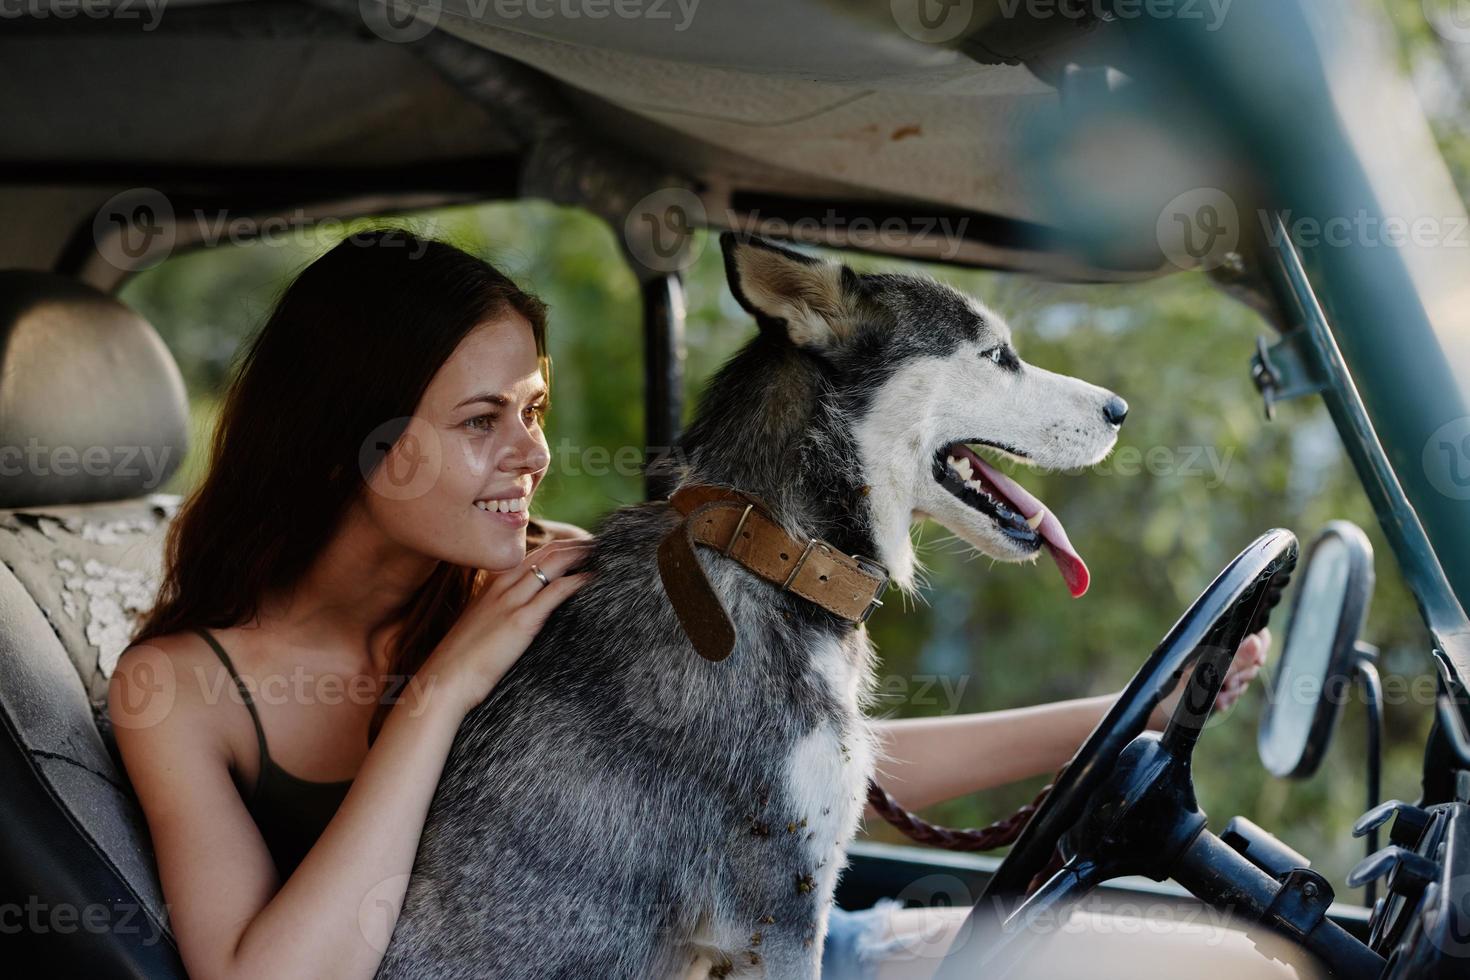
1389	385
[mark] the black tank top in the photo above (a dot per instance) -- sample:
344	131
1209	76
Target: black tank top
291	812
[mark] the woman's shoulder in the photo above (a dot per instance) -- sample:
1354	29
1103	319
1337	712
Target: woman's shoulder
167	653
166	684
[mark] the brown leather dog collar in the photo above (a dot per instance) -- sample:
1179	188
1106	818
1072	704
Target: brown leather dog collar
741	527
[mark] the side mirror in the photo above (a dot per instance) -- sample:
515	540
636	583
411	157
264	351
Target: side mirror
1320	655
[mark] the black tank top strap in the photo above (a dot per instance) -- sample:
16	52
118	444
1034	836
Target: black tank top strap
249	705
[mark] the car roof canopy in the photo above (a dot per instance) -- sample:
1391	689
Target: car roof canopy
767	109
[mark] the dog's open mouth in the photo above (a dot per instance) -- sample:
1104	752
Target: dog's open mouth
1018	514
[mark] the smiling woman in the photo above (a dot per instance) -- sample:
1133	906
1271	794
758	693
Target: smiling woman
386	310
362	526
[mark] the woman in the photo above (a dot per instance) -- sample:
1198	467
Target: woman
349	580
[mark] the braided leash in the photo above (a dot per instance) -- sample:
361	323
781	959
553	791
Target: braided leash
998	834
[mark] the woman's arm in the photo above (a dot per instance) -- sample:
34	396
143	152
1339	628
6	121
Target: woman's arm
230	913
924	761
333	916
930	760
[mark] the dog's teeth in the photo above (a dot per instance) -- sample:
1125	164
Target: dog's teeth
1034	521
976	485
962	467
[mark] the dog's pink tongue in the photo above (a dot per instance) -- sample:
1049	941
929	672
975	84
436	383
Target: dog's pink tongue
1073	568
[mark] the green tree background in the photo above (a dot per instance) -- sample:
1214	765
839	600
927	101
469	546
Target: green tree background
1210	475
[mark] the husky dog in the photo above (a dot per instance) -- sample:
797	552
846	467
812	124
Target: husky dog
620	808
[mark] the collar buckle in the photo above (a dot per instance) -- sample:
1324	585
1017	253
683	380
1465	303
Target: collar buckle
874	567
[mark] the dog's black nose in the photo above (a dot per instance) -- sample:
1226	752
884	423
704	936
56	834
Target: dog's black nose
1115	410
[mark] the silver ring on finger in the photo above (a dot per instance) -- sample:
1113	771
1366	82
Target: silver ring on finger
536	571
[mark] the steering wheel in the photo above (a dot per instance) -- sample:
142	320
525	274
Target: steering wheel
1125	803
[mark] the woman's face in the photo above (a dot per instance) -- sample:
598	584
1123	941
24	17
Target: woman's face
457	485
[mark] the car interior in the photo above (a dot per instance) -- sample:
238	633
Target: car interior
795	119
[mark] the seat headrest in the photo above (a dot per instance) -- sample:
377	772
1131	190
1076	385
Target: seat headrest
92	405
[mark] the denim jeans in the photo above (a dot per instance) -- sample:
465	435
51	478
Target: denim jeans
855	943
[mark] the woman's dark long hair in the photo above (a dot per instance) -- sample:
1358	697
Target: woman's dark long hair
350	346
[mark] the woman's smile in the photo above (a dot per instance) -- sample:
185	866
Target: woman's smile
511	511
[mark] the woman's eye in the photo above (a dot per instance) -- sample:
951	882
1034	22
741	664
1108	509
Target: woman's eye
537	413
480	423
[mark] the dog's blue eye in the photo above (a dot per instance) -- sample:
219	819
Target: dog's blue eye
1003	356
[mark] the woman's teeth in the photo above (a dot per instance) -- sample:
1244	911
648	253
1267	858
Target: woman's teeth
507	505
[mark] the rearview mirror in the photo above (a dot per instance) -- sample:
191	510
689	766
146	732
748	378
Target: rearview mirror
1319	656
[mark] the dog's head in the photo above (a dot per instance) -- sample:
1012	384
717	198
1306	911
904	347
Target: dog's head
922	374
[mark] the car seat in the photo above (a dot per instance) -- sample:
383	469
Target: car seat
93	420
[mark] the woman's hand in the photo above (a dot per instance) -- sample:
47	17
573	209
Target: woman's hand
500	623
1249	658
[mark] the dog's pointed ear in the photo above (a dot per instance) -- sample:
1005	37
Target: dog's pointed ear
813	301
